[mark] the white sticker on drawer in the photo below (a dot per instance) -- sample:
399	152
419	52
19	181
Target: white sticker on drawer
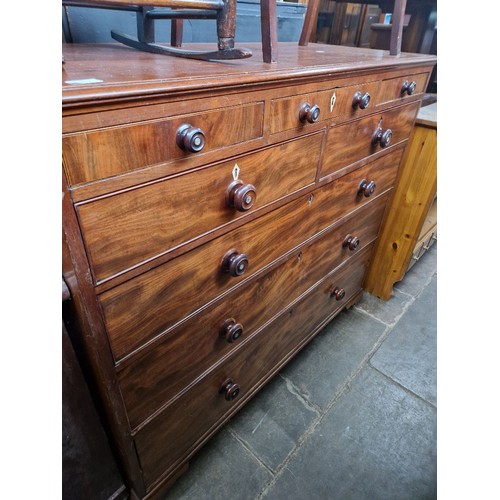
84	81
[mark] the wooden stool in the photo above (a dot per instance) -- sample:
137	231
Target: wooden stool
223	11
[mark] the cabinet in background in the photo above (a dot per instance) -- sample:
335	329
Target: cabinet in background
410	227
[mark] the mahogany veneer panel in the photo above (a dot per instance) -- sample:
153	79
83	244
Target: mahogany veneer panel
145	307
251	364
391	89
122	230
333	103
151	381
360	136
104	153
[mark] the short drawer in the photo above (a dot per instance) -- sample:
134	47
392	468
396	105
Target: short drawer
154	378
98	154
147	306
128	228
359	137
359	99
396	89
192	418
298	111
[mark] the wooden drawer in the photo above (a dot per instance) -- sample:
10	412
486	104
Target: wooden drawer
153	379
200	411
111	151
334	102
357	137
391	89
147	306
128	228
349	110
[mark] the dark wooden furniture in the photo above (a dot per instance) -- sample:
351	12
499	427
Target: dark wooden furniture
89	469
217	216
410	227
396	26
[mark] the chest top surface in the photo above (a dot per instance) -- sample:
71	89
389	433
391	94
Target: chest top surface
97	72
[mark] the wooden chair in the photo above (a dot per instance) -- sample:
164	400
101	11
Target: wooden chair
396	30
223	11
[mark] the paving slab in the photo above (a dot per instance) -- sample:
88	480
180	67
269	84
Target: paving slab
333	356
272	423
415	280
222	470
387	311
377	442
409	353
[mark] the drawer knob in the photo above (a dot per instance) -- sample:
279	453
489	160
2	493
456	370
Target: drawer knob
350	241
229	389
367	188
231	330
361	100
309	113
408	87
234	263
240	195
190	138
337	293
384	137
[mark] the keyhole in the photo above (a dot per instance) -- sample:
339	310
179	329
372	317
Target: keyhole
332	101
236	172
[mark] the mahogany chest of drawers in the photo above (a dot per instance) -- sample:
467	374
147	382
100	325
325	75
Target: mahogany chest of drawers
215	217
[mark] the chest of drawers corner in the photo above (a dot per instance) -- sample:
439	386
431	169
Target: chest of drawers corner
216	218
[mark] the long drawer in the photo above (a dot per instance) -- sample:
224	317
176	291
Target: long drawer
143	308
123	230
201	410
103	153
184	355
357	137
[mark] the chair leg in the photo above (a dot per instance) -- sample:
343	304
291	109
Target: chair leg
176	26
397	27
145	26
310	21
226	25
269	28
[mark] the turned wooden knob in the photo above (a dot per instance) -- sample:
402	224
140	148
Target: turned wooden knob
190	138
367	188
337	293
231	330
229	389
240	196
309	113
350	241
360	100
234	263
408	87
383	137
